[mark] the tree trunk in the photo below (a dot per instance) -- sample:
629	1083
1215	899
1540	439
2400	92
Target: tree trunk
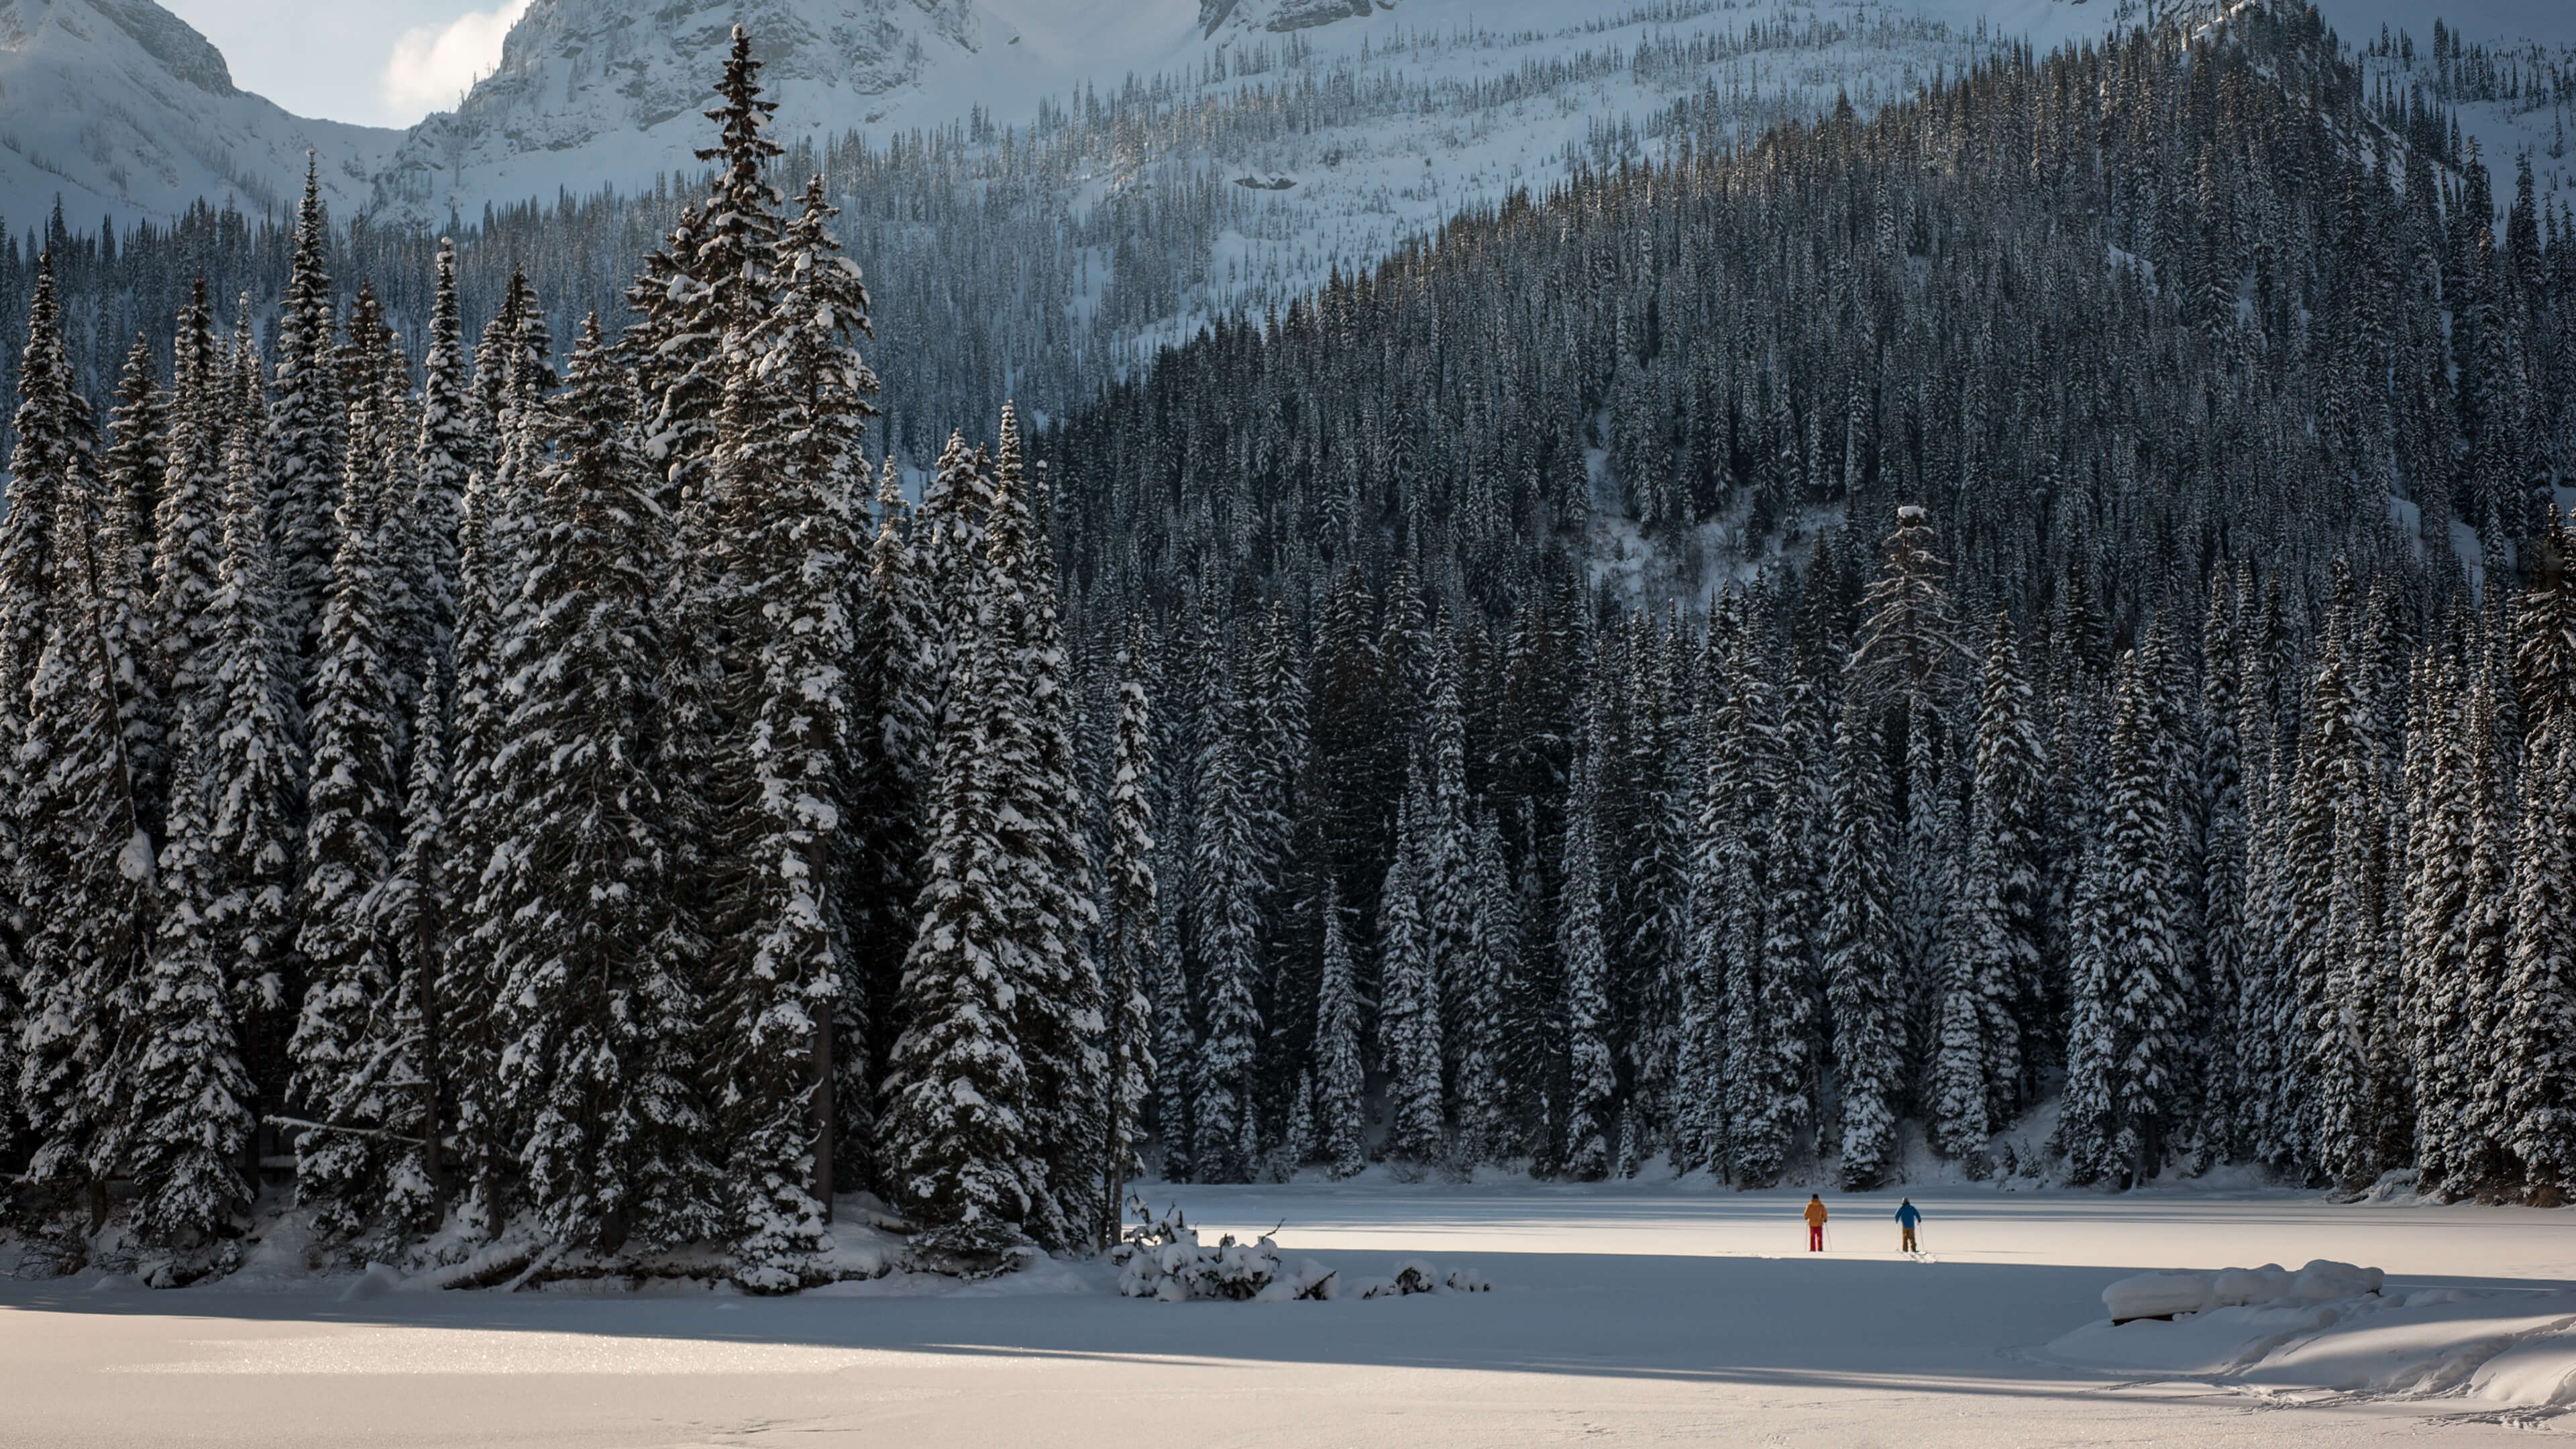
823	1113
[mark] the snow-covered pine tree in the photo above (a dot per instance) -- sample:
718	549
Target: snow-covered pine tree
348	1036
2087	1112
120	552
2224	962
495	353
1409	998
1926	884
2341	849
376	385
776	930
889	698
2538	1055
948	542
1227	945
1175	1052
412	909
2006	887
1654	894
1340	1081
466	993
1909	636
615	1137
36	478
132	465
954	1134
2146	1001
1275	746
1445	877
1976	1034
1131	921
1861	966
305	420
2481	1159
1484	1125
254	847
85	865
1042	813
1592	1084
1782	1103
446	454
187	530
189	1113
2438	803
1718	994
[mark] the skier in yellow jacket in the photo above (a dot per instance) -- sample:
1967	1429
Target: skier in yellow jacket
1815	1223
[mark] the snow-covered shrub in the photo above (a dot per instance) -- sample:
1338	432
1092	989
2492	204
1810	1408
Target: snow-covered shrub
1165	1260
1412	1275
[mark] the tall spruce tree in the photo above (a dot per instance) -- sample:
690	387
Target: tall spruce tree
1592	1085
448	451
1409	1000
1340	1078
956	1136
190	1114
187	529
1861	965
348	1035
85	865
2538	1060
1043	812
1131	919
305	420
613	1147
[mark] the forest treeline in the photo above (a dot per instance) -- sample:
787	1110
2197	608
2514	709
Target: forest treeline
2127	664
582	800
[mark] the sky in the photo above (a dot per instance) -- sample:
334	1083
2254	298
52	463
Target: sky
391	62
375	62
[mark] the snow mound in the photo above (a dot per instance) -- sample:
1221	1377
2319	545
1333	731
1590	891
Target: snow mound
2162	1295
2334	1328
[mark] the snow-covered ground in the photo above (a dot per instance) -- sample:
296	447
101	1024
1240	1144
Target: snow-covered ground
1626	1312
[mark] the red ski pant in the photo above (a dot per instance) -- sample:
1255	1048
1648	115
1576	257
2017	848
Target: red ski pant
1815	1237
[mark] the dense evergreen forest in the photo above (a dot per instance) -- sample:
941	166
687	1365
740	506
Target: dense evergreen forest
2103	659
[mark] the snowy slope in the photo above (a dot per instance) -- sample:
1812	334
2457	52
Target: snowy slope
122	109
607	93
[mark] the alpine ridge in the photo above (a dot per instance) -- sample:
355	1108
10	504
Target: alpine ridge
121	109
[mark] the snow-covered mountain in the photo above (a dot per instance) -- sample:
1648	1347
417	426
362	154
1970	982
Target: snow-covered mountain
593	93
121	109
608	93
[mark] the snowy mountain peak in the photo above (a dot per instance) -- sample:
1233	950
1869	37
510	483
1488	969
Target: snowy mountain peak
593	90
119	107
173	42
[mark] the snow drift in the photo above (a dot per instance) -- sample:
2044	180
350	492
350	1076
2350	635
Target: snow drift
2335	1329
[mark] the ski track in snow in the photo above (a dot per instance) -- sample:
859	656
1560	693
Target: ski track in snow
1642	1311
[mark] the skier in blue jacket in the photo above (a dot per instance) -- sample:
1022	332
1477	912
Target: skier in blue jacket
1907	1215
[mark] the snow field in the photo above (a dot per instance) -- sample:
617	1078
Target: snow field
1628	1312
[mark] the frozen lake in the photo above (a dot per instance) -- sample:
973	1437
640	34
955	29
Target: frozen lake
1625	1313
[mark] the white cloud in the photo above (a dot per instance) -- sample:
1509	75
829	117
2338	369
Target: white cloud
433	65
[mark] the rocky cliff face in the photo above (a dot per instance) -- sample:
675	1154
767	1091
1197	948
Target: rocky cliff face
1283	15
121	109
611	91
